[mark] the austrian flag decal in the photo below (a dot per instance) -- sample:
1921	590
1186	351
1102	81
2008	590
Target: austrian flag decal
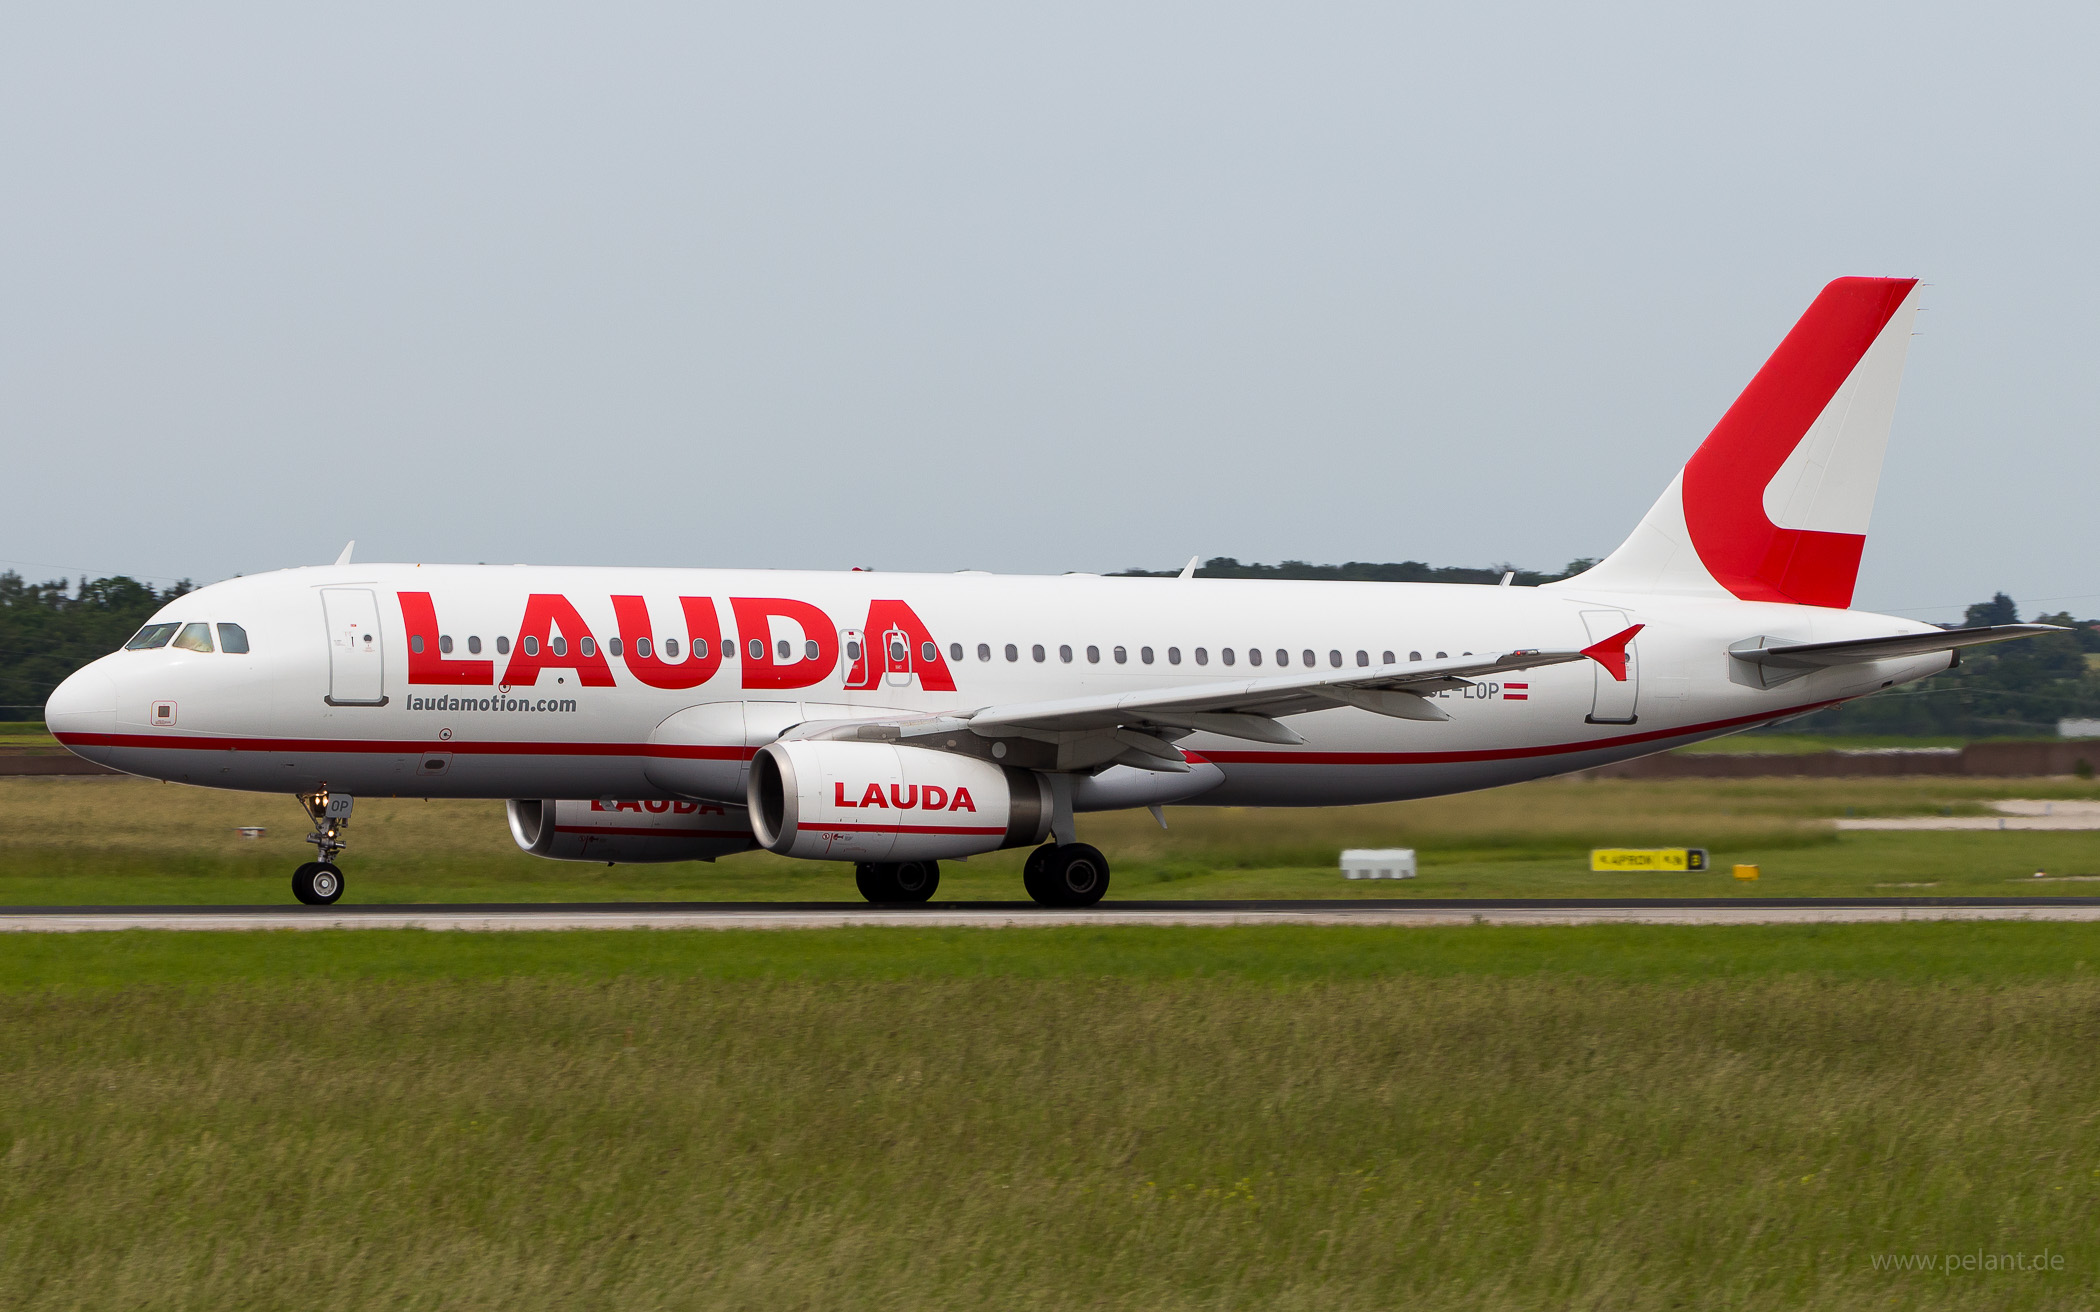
1516	692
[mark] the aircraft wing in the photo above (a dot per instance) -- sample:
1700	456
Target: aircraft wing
1818	655
1241	708
1248	708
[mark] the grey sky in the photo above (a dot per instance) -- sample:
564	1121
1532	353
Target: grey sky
1075	286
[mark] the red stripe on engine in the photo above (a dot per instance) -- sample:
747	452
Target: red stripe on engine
652	833
900	829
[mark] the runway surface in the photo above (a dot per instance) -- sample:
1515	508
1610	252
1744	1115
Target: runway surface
830	915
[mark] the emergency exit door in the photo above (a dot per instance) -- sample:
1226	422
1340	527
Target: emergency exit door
1615	698
356	652
897	658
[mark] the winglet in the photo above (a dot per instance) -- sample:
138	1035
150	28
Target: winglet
344	559
1188	571
1611	653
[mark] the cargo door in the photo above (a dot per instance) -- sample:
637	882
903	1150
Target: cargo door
356	653
1615	698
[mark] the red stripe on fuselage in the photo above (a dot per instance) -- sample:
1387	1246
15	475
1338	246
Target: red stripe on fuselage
400	747
199	742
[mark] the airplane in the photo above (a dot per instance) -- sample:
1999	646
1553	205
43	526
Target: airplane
896	721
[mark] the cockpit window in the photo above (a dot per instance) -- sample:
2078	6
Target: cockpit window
233	639
194	637
153	635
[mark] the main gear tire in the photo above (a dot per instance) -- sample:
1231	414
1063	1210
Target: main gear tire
899	881
1067	875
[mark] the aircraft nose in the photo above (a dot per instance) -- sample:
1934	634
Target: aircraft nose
85	703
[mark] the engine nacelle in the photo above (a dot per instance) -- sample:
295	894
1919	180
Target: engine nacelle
611	832
858	801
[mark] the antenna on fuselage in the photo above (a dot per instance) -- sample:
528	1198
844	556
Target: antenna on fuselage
348	547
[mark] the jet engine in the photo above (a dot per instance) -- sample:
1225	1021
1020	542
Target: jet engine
885	802
615	831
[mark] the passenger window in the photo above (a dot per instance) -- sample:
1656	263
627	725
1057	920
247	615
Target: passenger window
1254	655
1037	652
787	653
194	637
612	647
1173	655
896	652
1282	657
1363	658
699	649
641	648
502	646
415	643
588	646
1093	655
1013	653
1414	655
473	646
445	644
810	649
984	651
929	653
955	651
559	646
1334	658
1442	657
1145	655
1310	659
671	649
153	635
1122	657
1202	656
233	640
1064	653
1227	655
757	649
531	645
1385	658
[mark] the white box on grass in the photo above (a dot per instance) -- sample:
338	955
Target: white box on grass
1378	863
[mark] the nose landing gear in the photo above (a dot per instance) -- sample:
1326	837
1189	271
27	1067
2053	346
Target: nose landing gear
320	883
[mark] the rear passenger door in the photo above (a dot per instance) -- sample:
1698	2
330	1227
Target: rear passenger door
356	650
1615	700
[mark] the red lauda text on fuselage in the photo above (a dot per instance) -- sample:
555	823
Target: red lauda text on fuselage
553	635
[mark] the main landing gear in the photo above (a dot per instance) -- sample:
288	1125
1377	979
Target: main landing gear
898	881
320	883
1066	875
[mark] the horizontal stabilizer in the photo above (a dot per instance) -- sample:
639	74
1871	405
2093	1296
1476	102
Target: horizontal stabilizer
1821	655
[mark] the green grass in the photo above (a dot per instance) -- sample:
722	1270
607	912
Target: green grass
109	840
1292	1118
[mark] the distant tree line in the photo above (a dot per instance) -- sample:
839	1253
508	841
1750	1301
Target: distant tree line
2014	689
1363	571
48	630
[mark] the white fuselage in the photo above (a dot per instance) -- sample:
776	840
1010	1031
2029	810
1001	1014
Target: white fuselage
331	696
